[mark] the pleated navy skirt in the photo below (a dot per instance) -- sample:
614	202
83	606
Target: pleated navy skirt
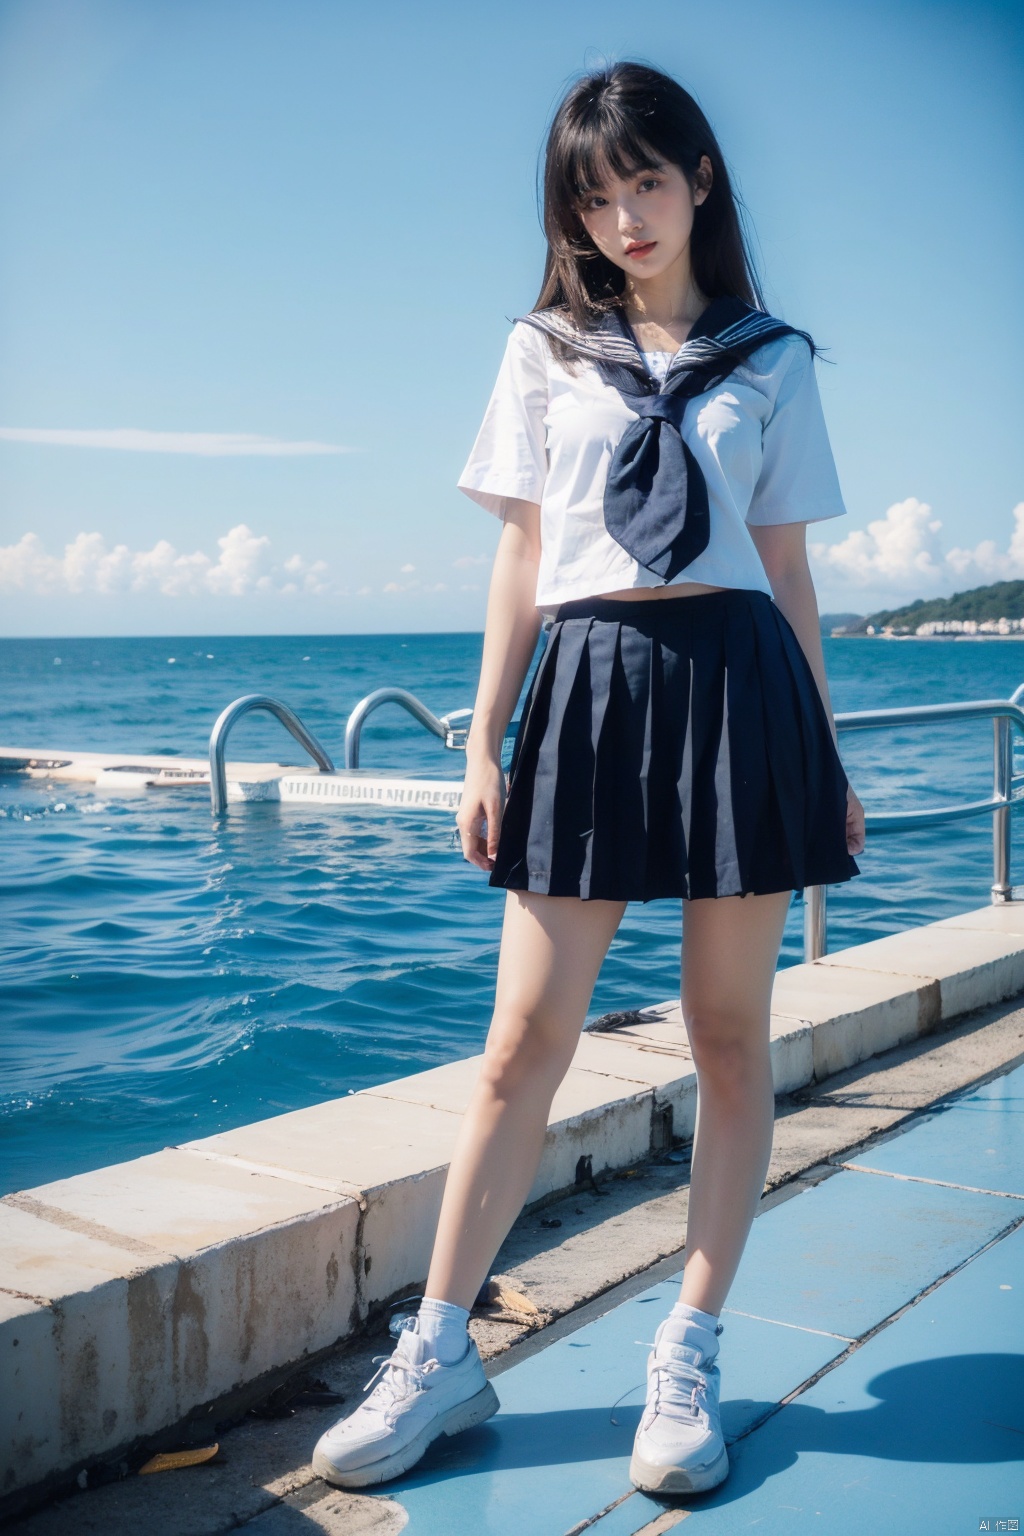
674	748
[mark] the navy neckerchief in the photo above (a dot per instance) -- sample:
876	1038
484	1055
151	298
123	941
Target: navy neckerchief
656	497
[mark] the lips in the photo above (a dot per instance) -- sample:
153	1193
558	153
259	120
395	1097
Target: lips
640	247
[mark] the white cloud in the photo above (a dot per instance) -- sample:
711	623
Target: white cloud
26	565
244	566
306	576
902	555
465	561
988	562
172	574
206	445
406	586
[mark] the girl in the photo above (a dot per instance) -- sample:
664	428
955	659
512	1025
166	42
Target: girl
655	447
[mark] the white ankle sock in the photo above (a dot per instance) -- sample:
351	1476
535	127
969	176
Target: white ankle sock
689	1325
443	1327
683	1310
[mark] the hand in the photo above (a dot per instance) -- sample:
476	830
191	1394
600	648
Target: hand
854	823
483	800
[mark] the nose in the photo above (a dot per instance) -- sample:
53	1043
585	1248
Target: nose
628	220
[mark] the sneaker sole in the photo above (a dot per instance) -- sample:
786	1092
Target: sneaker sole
475	1410
652	1479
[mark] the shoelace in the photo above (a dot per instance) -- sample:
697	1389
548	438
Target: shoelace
399	1379
677	1398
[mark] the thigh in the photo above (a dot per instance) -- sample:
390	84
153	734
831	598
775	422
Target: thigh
552	948
730	952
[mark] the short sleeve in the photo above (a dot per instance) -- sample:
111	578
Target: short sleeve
798	482
509	457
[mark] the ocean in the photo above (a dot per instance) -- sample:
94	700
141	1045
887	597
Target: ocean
163	976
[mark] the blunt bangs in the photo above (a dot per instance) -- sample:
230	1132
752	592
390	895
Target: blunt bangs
610	141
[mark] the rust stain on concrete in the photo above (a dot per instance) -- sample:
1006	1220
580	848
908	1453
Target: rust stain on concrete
189	1343
147	1341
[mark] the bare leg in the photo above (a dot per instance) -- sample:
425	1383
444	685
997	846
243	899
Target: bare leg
551	951
730	950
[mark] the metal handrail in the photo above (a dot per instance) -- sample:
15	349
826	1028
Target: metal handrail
219	736
452	728
1004	714
925	714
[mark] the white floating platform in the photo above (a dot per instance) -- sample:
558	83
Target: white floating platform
121	774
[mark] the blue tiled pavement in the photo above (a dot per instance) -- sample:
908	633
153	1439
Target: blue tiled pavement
918	1428
921	1429
850	1251
976	1140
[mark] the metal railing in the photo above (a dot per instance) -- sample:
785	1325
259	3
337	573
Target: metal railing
452	735
219	736
1004	714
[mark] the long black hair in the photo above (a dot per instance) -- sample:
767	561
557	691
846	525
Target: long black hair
624	116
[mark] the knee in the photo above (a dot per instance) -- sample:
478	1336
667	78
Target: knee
730	1051
520	1054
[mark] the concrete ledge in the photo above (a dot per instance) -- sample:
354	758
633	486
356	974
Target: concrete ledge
972	966
851	1012
136	1292
133	1296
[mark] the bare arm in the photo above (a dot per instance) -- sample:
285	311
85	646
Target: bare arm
783	551
510	636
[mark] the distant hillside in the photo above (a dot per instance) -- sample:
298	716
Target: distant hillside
1001	600
844	621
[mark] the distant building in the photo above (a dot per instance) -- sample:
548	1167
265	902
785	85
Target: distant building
970	627
935	627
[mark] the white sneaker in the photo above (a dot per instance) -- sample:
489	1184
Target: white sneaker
679	1446
415	1400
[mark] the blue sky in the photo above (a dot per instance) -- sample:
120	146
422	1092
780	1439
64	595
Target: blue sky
236	234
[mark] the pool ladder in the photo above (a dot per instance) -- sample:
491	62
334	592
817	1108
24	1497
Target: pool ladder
452	729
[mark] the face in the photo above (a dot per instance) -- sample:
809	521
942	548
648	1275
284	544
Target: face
642	223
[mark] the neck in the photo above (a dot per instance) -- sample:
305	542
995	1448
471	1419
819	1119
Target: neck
671	298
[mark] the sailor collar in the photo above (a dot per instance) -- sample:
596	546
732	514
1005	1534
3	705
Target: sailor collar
726	323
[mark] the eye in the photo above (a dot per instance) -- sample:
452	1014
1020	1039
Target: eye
651	181
595	198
